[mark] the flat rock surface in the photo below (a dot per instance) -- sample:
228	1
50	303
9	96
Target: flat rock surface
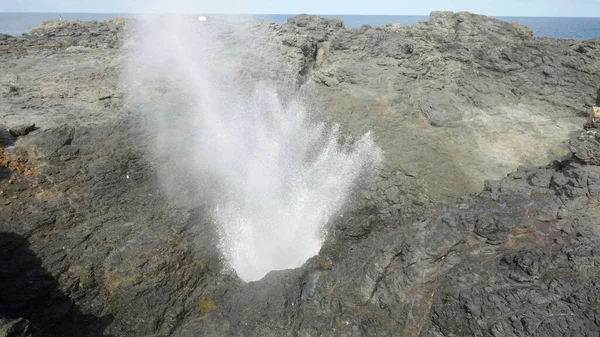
90	246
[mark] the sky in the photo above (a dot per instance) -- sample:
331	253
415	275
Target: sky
570	8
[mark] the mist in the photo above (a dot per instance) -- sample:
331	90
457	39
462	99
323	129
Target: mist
255	153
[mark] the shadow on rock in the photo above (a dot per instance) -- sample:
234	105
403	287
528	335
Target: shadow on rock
4	173
6	139
31	303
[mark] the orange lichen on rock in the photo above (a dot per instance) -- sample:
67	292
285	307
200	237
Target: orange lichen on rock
14	165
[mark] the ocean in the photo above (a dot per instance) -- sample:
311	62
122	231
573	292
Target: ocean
572	28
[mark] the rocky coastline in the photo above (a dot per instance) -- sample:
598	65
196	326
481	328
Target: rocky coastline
485	220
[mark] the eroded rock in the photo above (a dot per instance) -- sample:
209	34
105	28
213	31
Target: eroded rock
453	101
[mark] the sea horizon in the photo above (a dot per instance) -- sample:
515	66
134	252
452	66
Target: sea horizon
17	23
321	14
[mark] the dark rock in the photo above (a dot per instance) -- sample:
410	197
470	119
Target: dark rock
586	147
15	328
31	298
91	246
21	130
49	142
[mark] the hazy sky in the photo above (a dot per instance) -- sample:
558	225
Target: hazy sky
590	8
